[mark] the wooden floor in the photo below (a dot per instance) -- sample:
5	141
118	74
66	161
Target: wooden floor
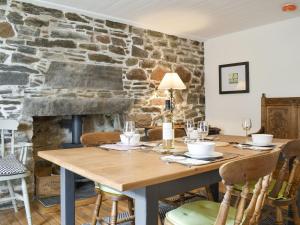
41	216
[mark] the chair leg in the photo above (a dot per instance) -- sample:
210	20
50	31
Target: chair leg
209	194
114	213
97	209
279	217
12	195
295	213
26	201
130	209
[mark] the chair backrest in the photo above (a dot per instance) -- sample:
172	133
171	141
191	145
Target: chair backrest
288	179
8	128
258	168
155	134
98	138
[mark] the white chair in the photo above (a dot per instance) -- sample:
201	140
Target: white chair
12	165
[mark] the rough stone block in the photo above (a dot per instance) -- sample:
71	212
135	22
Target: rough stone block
136	74
184	73
3	2
137	41
32	21
105	39
61	106
138	52
115	25
92	47
20	58
15	18
6	30
118	41
27	50
116	50
131	61
3	57
42	42
69	35
38	10
75	17
28	31
13	78
15	68
83	76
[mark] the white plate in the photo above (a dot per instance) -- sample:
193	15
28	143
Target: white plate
253	144
214	155
135	145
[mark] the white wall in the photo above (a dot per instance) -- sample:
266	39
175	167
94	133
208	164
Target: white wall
273	52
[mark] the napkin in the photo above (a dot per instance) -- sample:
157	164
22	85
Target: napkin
251	147
119	147
183	160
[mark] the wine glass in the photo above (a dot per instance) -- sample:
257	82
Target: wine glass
129	130
203	129
189	128
247	124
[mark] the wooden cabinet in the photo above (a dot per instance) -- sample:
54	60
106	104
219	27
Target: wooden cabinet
280	116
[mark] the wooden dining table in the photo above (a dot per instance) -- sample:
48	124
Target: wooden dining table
139	174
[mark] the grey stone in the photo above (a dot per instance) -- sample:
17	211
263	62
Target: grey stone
15	18
3	57
13	78
99	21
137	41
138	31
138	52
5	92
116	50
21	58
118	41
14	42
3	2
10	108
61	106
2	14
115	25
42	42
27	50
84	76
14	68
27	31
69	35
9	102
118	34
156	54
75	17
38	10
100	30
190	61
32	21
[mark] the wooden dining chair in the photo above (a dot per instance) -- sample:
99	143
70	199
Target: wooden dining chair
204	212
13	165
155	134
285	189
105	192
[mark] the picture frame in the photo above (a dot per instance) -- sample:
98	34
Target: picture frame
234	78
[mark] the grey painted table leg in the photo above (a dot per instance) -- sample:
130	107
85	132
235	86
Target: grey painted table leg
146	206
67	197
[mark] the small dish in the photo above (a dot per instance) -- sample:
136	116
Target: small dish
131	145
211	156
260	145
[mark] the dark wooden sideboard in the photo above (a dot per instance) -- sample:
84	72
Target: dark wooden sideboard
281	116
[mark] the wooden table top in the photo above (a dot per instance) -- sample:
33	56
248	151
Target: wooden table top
126	170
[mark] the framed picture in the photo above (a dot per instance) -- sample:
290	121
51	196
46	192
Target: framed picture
234	78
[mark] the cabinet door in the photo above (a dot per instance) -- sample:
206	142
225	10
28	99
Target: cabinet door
282	121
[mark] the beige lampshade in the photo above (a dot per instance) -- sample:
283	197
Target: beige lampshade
171	81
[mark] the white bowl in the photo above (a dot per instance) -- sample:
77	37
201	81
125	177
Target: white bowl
205	148
134	140
262	139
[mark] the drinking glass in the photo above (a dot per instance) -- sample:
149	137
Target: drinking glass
247	124
129	130
189	128
203	129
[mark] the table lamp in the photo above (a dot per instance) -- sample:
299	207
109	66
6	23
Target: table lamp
171	82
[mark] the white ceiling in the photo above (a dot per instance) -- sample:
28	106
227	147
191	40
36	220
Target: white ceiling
196	19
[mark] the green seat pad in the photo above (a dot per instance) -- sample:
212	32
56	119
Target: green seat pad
239	187
107	189
198	213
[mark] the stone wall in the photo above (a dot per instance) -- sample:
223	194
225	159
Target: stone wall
36	41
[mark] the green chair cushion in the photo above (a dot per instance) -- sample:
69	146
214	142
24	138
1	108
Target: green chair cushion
239	187
198	213
107	189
